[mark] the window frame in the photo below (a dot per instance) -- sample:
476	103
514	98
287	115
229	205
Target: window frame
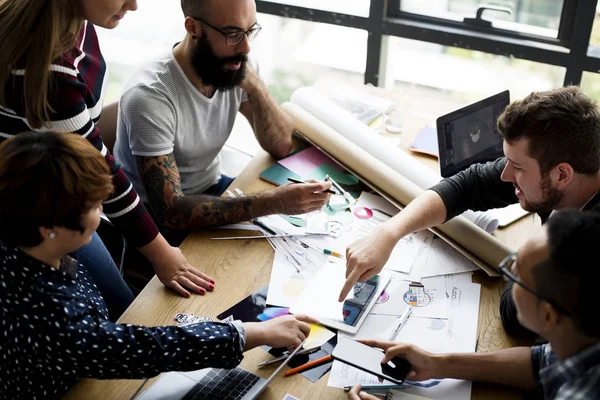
570	49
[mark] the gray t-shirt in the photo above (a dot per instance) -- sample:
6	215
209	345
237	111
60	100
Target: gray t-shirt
161	112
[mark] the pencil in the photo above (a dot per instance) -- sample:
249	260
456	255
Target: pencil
266	228
294	180
333	253
309	365
375	387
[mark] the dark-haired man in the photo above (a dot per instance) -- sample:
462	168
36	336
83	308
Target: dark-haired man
177	112
554	289
552	162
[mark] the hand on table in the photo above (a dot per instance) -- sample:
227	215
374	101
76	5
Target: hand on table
176	273
299	198
286	331
365	258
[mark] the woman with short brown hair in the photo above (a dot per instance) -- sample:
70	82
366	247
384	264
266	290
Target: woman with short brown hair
54	328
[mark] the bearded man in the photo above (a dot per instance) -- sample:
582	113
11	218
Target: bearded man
178	110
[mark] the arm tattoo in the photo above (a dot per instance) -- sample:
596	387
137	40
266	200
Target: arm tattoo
176	211
273	127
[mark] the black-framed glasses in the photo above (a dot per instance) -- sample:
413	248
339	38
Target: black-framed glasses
507	269
234	38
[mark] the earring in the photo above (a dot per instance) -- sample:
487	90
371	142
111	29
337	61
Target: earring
51	235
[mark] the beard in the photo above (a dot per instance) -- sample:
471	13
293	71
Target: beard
551	197
210	68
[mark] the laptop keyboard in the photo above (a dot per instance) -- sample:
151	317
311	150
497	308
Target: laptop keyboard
226	384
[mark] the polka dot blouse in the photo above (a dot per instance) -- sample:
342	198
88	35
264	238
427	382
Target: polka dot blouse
54	330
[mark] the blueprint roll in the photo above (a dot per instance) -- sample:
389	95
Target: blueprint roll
355	131
481	248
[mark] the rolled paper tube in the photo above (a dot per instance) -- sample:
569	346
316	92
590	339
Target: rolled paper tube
481	248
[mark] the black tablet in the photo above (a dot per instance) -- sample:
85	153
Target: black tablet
469	135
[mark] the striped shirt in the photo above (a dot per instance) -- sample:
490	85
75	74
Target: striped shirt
577	377
79	79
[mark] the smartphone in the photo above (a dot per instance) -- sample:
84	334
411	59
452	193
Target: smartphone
369	359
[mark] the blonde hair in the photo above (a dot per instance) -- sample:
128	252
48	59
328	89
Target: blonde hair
35	33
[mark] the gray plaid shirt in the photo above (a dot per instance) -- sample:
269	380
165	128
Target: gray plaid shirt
577	377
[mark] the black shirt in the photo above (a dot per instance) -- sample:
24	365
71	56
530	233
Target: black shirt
480	188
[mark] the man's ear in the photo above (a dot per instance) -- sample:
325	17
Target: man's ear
192	27
563	174
549	316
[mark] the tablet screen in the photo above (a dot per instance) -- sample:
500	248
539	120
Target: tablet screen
354	308
320	298
469	135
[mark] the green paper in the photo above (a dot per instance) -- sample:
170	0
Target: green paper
278	175
340	177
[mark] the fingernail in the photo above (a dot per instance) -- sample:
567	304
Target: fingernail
211	281
187	295
212	287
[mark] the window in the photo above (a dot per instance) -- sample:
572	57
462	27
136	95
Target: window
155	26
590	84
291	52
294	53
595	38
350	7
440	79
536	17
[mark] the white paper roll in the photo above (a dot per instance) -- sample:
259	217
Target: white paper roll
352	129
484	250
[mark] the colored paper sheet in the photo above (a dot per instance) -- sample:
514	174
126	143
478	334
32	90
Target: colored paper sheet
306	161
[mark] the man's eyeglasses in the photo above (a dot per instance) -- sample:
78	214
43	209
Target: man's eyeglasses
234	38
507	269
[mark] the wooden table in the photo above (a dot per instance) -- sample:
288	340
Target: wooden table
242	267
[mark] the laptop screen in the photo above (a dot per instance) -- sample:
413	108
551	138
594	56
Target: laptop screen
469	135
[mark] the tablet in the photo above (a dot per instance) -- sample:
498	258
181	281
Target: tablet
319	298
469	135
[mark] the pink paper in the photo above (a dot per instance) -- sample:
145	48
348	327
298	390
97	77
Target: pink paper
306	161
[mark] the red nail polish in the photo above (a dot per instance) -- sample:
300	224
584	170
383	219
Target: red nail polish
187	295
211	287
211	281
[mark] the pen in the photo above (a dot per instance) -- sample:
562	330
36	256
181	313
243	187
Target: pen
283	357
402	321
347	196
375	387
309	365
294	180
333	253
266	228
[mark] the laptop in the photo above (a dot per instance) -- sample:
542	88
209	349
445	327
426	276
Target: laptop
469	136
212	383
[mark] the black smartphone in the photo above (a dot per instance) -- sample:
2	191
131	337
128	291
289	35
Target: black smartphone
369	359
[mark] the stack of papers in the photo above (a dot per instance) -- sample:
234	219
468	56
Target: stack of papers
427	274
455	333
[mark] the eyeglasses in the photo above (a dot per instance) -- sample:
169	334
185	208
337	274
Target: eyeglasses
234	38
507	269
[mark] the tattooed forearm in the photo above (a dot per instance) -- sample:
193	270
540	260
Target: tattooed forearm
176	211
205	211
273	127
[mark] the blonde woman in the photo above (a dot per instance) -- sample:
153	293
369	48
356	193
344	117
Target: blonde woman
53	77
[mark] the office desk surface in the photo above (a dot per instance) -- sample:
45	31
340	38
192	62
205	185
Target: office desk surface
242	267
